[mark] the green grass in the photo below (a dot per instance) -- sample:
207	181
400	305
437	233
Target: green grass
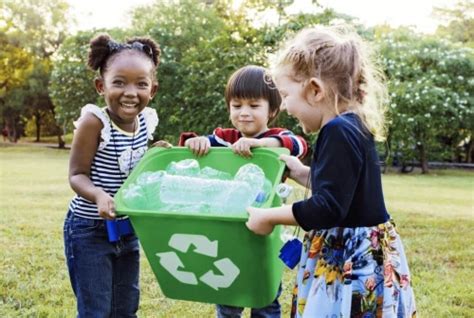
47	139
434	214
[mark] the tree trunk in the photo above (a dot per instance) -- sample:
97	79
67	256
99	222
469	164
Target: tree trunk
61	142
12	131
59	132
38	126
470	151
423	159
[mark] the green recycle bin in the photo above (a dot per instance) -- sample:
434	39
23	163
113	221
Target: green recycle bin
207	257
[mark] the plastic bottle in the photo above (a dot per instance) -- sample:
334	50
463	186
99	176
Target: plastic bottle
252	175
134	197
186	167
211	173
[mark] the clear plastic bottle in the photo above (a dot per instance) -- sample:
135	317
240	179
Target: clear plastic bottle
253	175
214	195
134	197
211	173
186	167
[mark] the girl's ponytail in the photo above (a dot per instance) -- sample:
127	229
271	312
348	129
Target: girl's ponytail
99	51
150	47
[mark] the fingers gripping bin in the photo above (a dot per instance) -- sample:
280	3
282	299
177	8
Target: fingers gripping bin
210	258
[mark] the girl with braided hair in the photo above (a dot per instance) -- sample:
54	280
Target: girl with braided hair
352	262
107	144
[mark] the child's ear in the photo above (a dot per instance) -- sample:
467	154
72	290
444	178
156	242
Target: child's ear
314	90
154	89
272	115
99	85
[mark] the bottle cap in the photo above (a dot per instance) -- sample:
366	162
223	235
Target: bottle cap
261	197
283	190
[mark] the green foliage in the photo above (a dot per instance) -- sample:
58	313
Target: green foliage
459	22
431	87
203	44
39	25
71	80
31	32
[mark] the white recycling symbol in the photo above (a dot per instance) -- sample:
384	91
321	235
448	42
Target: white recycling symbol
182	242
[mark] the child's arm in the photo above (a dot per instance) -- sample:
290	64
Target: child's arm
262	221
244	144
275	137
84	147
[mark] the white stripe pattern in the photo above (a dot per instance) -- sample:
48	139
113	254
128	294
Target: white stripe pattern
105	171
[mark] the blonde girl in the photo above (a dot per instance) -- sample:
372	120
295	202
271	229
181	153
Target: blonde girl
352	263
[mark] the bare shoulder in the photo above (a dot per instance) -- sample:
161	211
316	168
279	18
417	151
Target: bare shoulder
89	121
88	130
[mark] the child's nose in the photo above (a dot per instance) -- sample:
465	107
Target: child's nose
244	111
130	90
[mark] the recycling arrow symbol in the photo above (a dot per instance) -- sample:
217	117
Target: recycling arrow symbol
202	245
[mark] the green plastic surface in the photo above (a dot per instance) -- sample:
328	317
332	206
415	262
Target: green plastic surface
208	257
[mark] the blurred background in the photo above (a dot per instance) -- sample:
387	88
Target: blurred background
425	48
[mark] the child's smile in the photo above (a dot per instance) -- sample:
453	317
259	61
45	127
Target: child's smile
250	117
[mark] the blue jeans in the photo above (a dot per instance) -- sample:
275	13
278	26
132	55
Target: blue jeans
271	311
104	275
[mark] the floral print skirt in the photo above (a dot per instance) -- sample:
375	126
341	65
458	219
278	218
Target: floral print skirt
353	272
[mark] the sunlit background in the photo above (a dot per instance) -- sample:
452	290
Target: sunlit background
418	13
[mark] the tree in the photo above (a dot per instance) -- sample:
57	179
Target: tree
431	95
459	21
16	65
203	43
32	30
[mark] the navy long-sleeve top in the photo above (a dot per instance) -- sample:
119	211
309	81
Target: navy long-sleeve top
346	183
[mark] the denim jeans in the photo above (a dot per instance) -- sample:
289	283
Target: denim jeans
104	275
271	311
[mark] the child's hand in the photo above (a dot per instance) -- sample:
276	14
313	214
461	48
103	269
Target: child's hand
258	221
105	206
243	145
298	171
198	145
162	144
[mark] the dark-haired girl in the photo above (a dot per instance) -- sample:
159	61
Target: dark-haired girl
107	144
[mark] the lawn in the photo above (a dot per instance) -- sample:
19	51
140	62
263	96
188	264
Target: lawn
434	215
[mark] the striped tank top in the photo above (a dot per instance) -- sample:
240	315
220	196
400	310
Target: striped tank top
118	152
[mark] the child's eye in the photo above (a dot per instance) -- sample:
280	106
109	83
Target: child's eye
118	83
143	84
255	105
236	106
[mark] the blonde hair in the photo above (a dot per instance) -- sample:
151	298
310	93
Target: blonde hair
340	59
